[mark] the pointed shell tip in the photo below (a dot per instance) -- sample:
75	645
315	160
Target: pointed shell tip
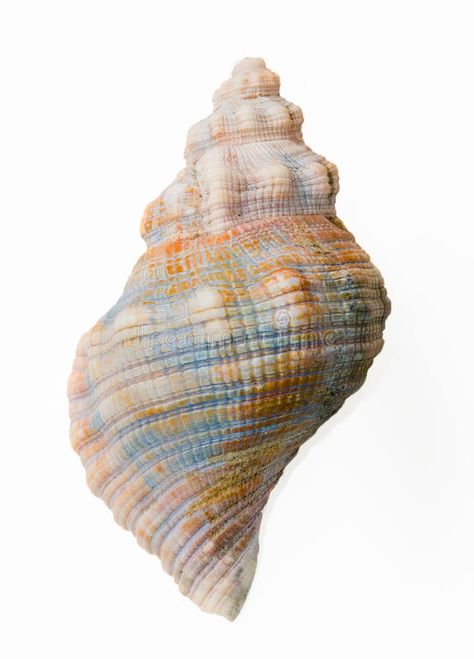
248	64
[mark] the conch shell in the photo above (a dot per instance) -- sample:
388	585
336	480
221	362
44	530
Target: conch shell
251	317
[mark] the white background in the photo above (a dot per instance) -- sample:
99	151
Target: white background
367	545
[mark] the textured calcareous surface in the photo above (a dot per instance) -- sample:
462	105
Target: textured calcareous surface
251	317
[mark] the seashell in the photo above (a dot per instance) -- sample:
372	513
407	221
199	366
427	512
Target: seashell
251	317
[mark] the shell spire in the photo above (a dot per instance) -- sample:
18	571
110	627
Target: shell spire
251	317
250	79
245	161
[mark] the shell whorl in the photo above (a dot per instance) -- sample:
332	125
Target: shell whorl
245	162
251	317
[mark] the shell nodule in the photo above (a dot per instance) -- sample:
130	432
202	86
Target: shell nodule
251	317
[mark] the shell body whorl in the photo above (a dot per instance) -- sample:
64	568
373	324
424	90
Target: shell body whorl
251	317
